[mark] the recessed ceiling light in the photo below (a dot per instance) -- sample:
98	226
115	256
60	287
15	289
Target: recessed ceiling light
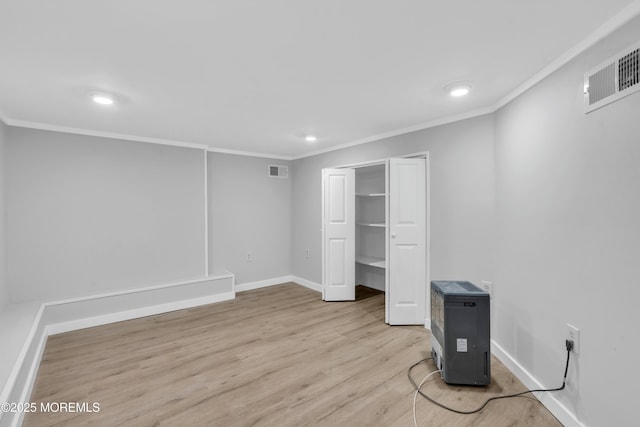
102	99
310	138
459	90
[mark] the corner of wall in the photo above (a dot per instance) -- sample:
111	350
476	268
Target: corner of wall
250	221
4	287
567	209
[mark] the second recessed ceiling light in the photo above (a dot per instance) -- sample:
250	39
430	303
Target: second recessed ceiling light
102	99
458	89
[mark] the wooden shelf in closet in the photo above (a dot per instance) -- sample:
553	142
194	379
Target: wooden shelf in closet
372	261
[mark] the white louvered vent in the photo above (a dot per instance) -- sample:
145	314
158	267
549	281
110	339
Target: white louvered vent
276	171
613	79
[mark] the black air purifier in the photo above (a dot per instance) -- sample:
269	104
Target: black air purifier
460	332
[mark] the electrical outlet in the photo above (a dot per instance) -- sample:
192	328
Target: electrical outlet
573	334
250	256
306	253
488	287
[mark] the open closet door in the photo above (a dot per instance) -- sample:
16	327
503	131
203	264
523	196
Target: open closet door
339	235
407	241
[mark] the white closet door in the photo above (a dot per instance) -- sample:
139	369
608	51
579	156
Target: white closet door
339	235
407	247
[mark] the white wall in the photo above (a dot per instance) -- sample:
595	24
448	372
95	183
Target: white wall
4	286
462	202
88	215
249	211
568	205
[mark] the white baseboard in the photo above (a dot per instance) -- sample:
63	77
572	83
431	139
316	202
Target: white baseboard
262	283
23	394
307	283
32	336
277	281
561	412
162	299
89	322
19	383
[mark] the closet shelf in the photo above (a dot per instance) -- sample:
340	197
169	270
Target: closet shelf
368	260
372	224
371	194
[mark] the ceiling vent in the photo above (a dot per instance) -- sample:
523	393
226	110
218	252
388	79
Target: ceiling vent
613	79
276	171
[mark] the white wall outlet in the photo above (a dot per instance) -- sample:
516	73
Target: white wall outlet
573	334
488	287
250	256
306	253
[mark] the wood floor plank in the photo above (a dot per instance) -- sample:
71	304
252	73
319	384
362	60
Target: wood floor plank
276	356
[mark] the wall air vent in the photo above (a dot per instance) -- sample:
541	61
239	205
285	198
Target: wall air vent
613	79
276	171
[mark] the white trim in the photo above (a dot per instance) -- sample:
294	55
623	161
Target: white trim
105	319
31	376
360	164
248	153
134	138
322	217
612	24
17	366
4	120
377	162
433	123
207	148
31	359
387	230
138	290
307	283
206	214
101	134
561	412
262	283
427	284
416	155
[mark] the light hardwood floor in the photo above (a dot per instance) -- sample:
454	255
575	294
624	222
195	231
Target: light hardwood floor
276	356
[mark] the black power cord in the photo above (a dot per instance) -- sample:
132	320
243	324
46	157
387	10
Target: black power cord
569	345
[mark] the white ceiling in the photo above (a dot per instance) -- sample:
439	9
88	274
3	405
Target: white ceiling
257	76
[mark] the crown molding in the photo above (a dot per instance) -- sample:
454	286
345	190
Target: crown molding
3	118
101	134
434	123
248	153
134	138
611	25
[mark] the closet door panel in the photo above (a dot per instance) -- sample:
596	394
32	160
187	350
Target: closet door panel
338	282
407	241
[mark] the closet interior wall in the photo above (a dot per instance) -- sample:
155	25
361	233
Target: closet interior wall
371	227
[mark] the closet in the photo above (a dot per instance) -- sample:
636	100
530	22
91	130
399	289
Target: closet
374	234
371	226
